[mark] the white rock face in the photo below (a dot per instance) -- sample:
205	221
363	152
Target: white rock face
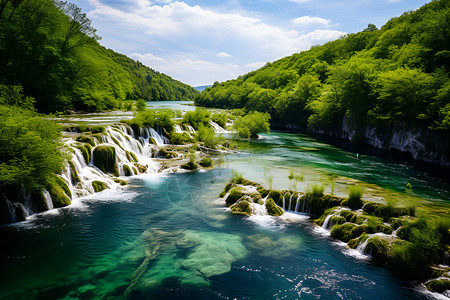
418	142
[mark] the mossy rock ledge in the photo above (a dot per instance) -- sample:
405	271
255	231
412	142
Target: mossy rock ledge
105	159
394	237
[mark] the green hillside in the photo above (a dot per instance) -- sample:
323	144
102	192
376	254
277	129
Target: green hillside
49	50
398	74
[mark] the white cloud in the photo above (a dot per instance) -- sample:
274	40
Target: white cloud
223	55
191	71
255	65
186	42
307	21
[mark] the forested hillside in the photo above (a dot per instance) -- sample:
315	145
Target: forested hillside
50	52
398	74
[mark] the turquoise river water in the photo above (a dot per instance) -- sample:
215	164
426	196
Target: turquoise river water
166	236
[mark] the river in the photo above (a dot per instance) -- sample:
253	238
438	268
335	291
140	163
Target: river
166	236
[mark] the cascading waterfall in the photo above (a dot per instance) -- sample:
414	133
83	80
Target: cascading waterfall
190	129
177	128
127	147
216	127
297	204
48	199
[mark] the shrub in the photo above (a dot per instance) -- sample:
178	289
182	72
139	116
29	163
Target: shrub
315	190
354	196
250	125
208	136
220	118
196	118
206	162
191	165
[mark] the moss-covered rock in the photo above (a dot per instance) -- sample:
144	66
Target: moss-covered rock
242	208
105	159
86	139
378	248
226	189
59	191
354	243
120	181
276	196
99	186
337	220
127	170
272	208
165	153
73	173
234	196
385	229
347	231
386	211
39	201
20	213
131	156
140	168
438	285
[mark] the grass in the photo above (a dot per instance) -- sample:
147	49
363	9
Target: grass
355	194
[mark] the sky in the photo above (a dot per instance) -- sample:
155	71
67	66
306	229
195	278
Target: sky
200	42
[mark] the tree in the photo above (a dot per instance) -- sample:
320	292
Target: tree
251	124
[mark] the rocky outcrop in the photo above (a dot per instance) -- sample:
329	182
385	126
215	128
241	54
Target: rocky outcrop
421	144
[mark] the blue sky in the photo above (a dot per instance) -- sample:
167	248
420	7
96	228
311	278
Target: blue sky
199	42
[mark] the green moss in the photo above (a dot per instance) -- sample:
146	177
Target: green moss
98	129
347	231
73	173
190	166
99	186
272	208
163	152
378	248
385	229
386	211
38	199
127	170
354	243
59	191
276	196
337	220
120	181
438	285
242	207
105	159
85	152
131	157
226	189
206	162
234	196
86	139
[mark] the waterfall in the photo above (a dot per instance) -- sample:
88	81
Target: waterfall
177	128
48	199
79	174
327	220
362	247
190	129
216	127
283	204
160	140
297	203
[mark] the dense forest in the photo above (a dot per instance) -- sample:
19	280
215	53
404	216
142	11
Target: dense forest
398	74
50	53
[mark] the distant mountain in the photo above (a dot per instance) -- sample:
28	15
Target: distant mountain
202	87
49	50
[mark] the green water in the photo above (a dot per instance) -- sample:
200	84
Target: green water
168	236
